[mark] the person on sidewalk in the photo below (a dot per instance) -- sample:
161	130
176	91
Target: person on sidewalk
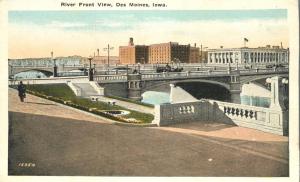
21	90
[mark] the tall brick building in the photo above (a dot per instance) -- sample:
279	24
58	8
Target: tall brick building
194	54
158	53
133	54
168	52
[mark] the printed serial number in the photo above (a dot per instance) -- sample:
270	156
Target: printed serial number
26	164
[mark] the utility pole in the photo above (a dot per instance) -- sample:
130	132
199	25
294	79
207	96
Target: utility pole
107	49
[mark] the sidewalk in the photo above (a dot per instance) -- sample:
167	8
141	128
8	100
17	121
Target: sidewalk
39	106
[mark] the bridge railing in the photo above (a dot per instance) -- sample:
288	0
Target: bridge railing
102	78
48	80
265	119
188	74
264	70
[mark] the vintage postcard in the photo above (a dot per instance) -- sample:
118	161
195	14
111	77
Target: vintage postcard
149	89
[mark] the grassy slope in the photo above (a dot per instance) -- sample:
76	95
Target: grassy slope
64	92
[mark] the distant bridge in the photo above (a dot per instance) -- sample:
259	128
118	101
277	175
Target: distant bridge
46	69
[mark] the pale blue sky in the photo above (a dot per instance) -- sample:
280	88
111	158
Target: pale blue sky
36	33
123	20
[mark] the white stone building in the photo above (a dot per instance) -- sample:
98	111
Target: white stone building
245	55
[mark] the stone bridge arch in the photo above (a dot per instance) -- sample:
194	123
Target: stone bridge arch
218	90
47	72
164	85
251	78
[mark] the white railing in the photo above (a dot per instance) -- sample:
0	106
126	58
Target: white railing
110	78
260	118
48	80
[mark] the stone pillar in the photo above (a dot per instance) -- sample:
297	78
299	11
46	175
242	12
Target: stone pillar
134	86
276	93
277	107
235	89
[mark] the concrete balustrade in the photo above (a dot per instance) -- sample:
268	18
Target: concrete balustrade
110	78
264	119
49	80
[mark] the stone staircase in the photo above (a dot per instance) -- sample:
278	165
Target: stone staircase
86	90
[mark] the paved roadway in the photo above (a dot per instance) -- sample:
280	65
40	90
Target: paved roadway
48	139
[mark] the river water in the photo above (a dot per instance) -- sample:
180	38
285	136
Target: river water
152	97
30	74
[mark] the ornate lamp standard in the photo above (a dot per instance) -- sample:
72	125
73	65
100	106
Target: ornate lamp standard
54	65
91	76
139	68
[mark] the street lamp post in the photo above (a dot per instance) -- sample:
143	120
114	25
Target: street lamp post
201	52
139	68
54	65
91	77
54	68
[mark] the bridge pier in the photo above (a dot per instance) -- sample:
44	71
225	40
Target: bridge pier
235	89
135	86
235	96
55	71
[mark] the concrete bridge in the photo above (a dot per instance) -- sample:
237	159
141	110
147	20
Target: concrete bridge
48	70
229	81
218	82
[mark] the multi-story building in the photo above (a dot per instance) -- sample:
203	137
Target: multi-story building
133	54
245	55
194	54
169	52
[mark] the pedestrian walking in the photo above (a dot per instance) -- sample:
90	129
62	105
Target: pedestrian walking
22	91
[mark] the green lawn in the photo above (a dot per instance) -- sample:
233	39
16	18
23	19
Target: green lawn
131	101
63	92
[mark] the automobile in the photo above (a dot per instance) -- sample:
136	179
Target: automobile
121	68
275	66
270	65
168	68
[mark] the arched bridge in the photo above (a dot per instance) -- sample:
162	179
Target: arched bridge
134	85
48	70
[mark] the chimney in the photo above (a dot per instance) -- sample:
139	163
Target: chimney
131	42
